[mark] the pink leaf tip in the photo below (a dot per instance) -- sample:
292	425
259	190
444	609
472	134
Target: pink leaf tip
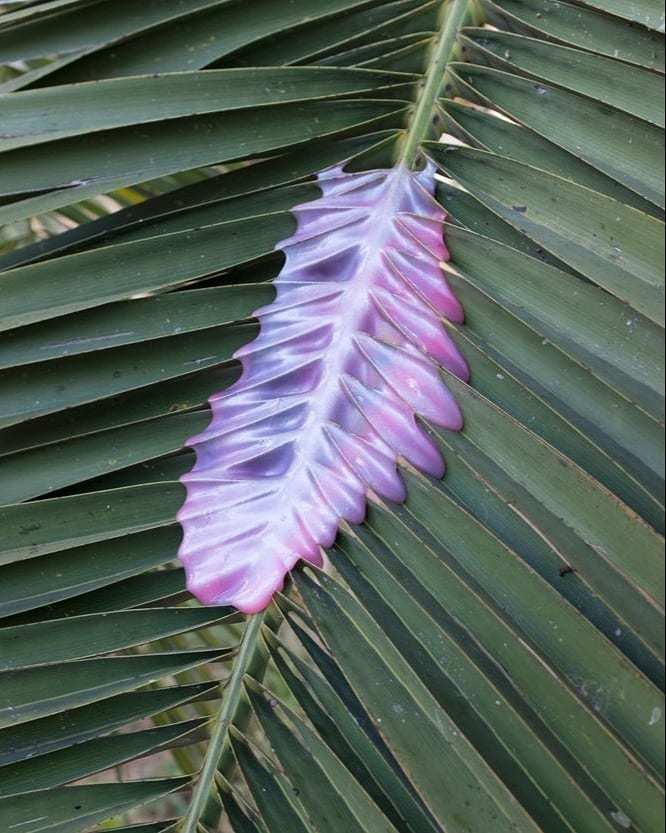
346	357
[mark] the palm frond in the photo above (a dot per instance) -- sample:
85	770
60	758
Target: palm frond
488	656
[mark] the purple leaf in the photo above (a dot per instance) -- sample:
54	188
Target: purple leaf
347	354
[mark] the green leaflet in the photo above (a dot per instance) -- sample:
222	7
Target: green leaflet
615	246
581	26
35	693
75	808
61	767
25	741
116	158
617	144
132	101
635	91
80	637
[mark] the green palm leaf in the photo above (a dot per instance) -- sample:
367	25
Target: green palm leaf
488	656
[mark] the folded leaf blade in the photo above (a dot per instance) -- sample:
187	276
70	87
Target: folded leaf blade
346	356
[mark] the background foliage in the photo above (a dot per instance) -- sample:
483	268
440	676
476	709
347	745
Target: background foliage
488	657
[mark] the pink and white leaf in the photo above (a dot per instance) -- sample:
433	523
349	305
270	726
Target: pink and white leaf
346	357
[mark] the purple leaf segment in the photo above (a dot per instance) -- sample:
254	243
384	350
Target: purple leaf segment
347	355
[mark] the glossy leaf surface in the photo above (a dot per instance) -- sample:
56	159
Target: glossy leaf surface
345	358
